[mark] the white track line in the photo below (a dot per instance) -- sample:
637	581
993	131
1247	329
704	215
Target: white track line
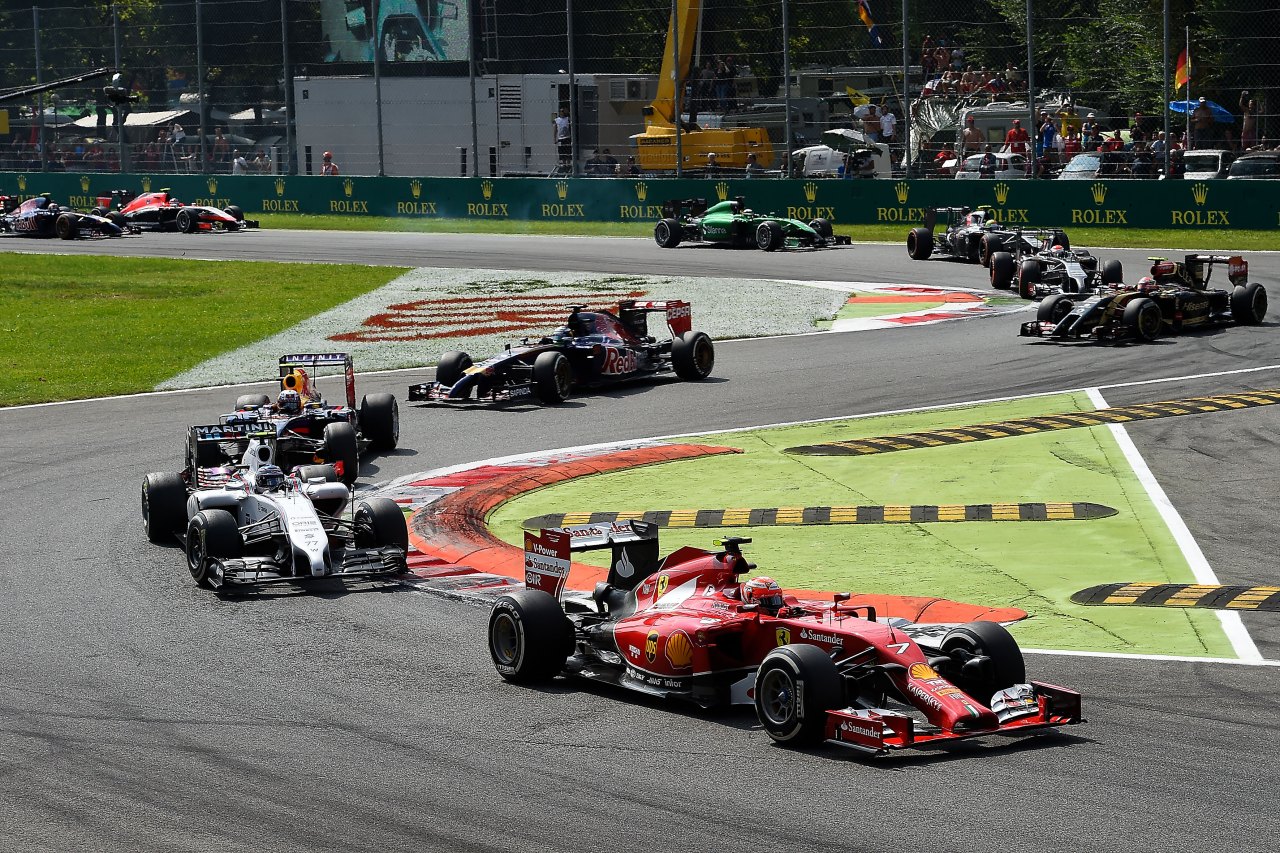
1200	568
1134	656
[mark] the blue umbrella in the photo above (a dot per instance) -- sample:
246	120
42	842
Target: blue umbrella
1220	113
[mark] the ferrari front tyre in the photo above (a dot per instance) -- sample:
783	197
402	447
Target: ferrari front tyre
920	243
380	420
380	522
453	364
212	535
770	236
1112	272
693	355
1002	266
235	213
1054	309
251	401
1028	278
164	505
343	450
985	658
1249	304
822	227
1142	317
552	377
186	221
989	245
66	227
667	233
795	687
530	638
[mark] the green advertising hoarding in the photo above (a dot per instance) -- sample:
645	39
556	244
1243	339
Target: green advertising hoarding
1116	203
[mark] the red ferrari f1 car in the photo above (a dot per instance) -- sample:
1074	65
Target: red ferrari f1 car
160	211
686	627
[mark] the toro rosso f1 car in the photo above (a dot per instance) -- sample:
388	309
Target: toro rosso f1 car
160	211
730	223
593	348
685	627
1173	299
307	427
250	524
41	217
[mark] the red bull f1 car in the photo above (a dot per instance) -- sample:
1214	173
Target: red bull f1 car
160	211
686	627
592	348
42	217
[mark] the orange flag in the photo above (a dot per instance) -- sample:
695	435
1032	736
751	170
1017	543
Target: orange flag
1182	74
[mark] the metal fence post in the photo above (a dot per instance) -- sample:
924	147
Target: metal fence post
573	92
675	69
1032	129
200	91
44	146
906	100
1168	138
786	91
289	167
472	44
377	85
118	110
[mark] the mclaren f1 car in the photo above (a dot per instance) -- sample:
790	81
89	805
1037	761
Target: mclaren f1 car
732	223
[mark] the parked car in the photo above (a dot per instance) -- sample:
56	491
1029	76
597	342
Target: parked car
1207	164
1088	165
1261	164
1007	166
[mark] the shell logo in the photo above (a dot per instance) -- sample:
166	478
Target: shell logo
679	650
922	671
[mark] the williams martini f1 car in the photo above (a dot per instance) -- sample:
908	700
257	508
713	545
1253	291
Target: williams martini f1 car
1176	297
593	348
42	217
686	627
160	211
731	223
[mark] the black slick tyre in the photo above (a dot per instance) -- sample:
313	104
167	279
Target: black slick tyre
1143	319
693	355
1249	304
988	246
451	367
1028	278
795	686
1054	308
667	233
380	420
1112	272
1002	267
212	535
822	227
770	236
235	213
66	227
380	522
920	243
185	221
307	473
552	377
251	401
530	638
967	645
164	506
342	450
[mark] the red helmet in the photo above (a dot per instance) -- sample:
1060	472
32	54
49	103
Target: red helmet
1147	284
763	591
328	155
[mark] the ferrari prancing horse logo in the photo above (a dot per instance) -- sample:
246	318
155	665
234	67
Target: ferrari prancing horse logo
783	636
663	580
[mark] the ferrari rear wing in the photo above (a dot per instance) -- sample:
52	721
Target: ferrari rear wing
634	544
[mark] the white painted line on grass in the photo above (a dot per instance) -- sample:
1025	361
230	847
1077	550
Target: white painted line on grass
1200	568
1134	656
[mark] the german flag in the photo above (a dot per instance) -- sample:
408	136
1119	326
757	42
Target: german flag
1182	73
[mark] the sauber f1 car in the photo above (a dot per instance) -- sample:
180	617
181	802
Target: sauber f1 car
250	524
1041	267
593	348
731	223
1174	298
41	217
160	211
685	627
308	428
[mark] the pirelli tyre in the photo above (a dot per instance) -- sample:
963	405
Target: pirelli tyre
1112	272
920	243
453	364
251	401
212	534
164	506
342	450
1028	278
235	213
988	246
822	227
552	377
667	233
769	236
984	658
1054	308
186	221
1002	268
1249	304
1143	319
530	638
379	522
66	226
795	687
693	355
307	473
380	420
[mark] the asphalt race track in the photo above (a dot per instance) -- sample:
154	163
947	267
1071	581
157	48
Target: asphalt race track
140	713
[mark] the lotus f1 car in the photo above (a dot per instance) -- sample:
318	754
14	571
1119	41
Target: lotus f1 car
311	431
593	348
730	223
1174	298
160	211
250	524
686	628
1041	267
41	217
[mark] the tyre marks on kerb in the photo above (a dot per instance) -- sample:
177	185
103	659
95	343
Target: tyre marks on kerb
808	515
1041	423
1210	596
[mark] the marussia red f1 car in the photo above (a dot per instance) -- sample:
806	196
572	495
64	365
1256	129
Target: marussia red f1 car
593	348
687	628
160	211
1173	299
41	217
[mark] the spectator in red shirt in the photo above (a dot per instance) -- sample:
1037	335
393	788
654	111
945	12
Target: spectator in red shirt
1016	139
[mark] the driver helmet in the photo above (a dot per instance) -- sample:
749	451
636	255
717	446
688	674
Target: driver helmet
1147	284
763	591
289	401
269	478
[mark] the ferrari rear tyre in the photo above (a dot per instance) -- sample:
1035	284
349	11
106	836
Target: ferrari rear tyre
66	227
795	687
1002	266
453	364
1059	238
212	535
1142	317
552	377
380	522
380	420
235	213
693	355
186	221
985	658
1249	304
251	401
1028	278
1054	308
988	246
530	638
1112	272
770	236
920	243
822	227
164	506
667	233
342	450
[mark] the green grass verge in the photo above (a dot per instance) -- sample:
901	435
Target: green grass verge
1137	238
1035	566
77	327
